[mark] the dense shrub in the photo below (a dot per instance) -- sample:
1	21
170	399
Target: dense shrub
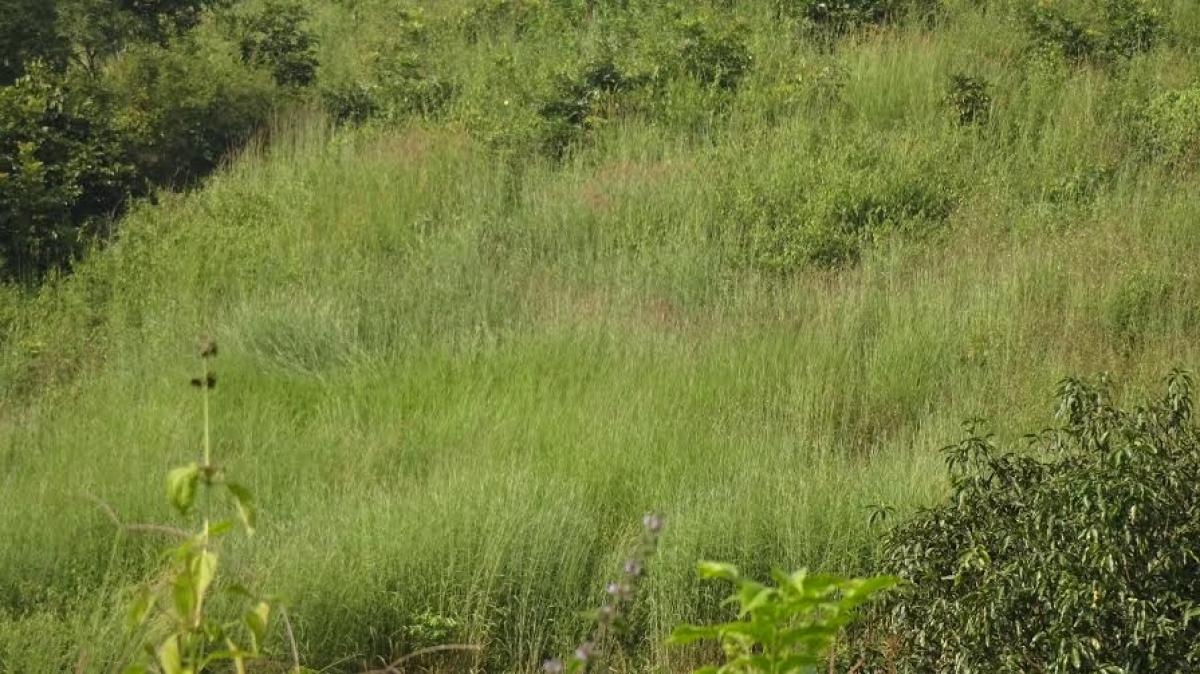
182	110
1098	30
63	168
1080	556
714	53
902	204
397	80
276	37
581	100
1168	130
968	97
97	29
834	17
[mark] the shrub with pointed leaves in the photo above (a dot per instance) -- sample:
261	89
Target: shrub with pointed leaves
1082	557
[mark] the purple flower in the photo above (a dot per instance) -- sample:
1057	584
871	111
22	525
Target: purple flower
553	667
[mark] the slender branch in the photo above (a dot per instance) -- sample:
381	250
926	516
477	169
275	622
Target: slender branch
144	528
391	669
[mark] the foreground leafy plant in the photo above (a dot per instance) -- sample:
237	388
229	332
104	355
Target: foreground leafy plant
178	634
786	629
1086	561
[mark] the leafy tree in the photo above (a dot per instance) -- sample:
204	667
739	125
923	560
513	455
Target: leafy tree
63	169
97	29
276	38
182	110
28	31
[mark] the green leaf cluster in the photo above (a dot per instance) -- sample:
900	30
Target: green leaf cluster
786	628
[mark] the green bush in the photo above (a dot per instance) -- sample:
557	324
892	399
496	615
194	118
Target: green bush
98	29
968	97
1168	130
183	110
835	17
580	101
63	171
275	37
1098	30
714	53
1082	555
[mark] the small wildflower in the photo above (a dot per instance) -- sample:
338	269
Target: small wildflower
583	652
633	568
652	522
553	666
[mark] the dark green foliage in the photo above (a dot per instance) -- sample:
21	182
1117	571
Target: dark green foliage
399	80
1081	556
904	204
63	169
835	17
98	29
406	85
182	111
27	32
1097	30
351	103
969	99
713	53
276	37
579	102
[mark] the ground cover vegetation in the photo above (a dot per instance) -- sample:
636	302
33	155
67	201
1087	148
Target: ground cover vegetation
495	278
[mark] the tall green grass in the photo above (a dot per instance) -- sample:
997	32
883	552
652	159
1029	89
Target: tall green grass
456	378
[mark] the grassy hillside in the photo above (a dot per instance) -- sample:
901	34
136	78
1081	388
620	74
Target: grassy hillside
467	344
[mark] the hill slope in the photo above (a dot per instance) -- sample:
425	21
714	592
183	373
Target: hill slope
464	349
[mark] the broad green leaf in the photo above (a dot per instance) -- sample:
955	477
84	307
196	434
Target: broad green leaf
205	571
181	487
168	656
717	570
244	501
752	596
139	610
183	596
256	621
